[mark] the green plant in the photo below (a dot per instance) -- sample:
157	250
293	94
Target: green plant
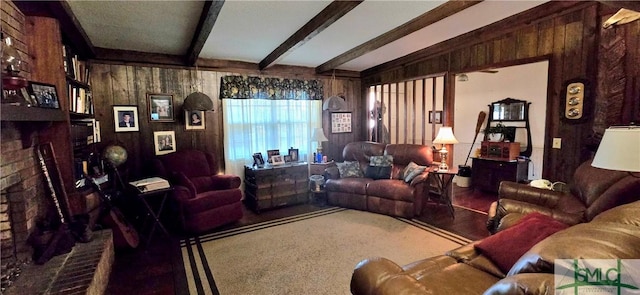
498	128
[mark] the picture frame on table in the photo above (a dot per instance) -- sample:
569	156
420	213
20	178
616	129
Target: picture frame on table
294	154
194	120
258	160
45	95
125	118
164	142
271	153
277	160
160	107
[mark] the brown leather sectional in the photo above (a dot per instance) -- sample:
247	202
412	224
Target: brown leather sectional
386	196
591	191
613	234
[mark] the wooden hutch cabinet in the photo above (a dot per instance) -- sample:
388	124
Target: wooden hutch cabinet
276	186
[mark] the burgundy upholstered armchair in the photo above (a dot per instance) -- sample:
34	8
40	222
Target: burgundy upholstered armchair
202	198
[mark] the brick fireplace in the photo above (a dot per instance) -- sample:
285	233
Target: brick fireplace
23	198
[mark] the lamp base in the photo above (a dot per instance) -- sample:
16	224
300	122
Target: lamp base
443	167
443	159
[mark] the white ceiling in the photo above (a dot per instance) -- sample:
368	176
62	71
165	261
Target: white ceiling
249	30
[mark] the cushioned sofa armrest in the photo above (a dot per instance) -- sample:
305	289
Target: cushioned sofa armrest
507	207
523	284
182	193
225	181
332	173
372	272
422	177
180	179
525	193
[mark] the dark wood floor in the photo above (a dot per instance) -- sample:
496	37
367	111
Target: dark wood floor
154	268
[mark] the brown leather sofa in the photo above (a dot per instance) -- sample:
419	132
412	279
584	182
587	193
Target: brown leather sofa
467	271
202	199
386	196
592	190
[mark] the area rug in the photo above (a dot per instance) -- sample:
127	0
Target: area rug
312	253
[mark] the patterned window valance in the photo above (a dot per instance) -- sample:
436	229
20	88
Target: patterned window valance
269	88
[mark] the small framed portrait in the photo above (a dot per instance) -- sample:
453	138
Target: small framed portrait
258	160
160	107
277	160
293	153
271	153
435	117
287	158
164	142
125	118
45	95
194	120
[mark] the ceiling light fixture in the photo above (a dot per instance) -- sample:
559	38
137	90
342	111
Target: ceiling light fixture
197	101
463	78
335	102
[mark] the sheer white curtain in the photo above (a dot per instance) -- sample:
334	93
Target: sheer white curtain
258	125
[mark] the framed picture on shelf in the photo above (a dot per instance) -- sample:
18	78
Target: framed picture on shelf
258	160
194	120
164	142
293	153
45	95
435	117
277	160
341	122
160	107
271	153
125	118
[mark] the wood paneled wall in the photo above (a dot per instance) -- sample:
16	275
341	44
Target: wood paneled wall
121	84
565	33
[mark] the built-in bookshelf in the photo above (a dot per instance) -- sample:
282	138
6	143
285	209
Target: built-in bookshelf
78	83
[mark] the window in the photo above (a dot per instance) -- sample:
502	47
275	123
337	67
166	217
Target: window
258	125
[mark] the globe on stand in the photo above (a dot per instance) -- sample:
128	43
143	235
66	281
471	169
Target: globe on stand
114	154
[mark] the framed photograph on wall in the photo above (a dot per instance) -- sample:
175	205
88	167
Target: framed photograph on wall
125	118
194	120
164	142
160	107
435	117
341	122
45	95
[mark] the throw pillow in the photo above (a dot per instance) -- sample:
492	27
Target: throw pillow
411	171
381	161
507	246
349	169
378	172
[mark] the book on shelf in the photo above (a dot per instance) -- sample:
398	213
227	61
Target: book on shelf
150	184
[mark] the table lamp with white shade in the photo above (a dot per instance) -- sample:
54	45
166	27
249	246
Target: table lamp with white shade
445	136
619	149
318	136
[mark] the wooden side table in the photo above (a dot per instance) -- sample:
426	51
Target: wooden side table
442	180
318	168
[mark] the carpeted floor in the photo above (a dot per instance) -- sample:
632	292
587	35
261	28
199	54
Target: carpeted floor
311	253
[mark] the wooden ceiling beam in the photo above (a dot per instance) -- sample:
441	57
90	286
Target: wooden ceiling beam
106	54
208	18
445	10
317	24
